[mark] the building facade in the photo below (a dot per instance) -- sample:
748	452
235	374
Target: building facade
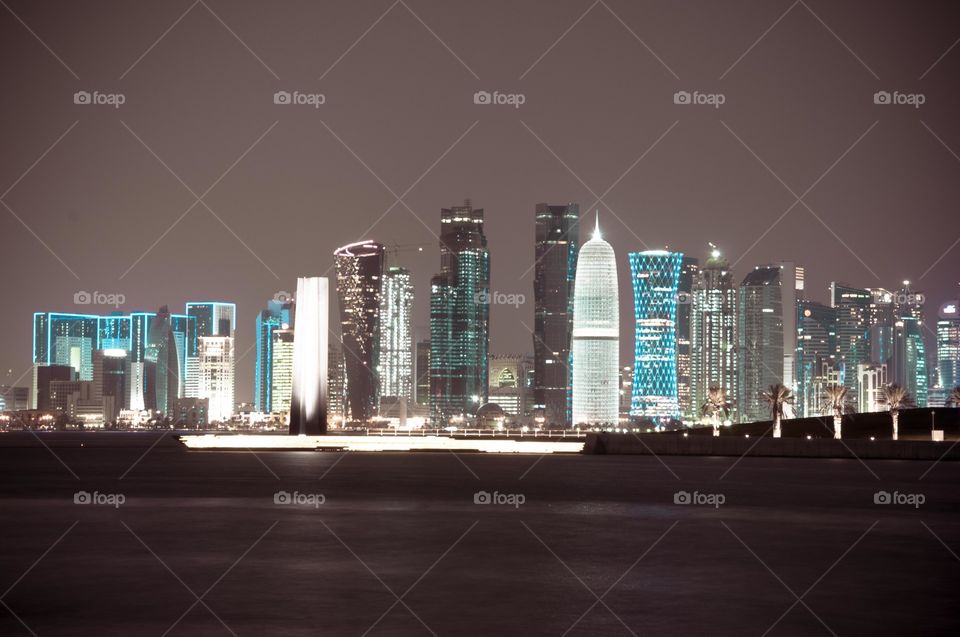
395	366
713	334
359	279
459	316
655	275
308	406
277	316
596	335
556	247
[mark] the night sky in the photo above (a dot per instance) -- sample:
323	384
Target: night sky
99	198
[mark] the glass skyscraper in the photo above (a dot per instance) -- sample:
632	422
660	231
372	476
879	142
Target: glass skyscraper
459	315
277	316
596	335
689	268
211	373
359	278
767	331
395	364
853	308
816	356
555	268
656	279
948	346
713	334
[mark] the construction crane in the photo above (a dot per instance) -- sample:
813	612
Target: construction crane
398	248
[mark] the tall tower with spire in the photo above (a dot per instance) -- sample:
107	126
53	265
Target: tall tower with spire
596	335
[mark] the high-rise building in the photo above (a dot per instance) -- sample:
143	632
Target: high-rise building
767	329
359	278
948	346
459	315
336	385
281	371
395	366
277	316
508	388
713	334
555	268
216	381
423	372
65	339
656	278
46	375
596	335
213	319
161	364
308	407
14	398
853	308
689	269
909	360
816	355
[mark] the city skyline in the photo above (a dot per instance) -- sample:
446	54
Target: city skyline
679	175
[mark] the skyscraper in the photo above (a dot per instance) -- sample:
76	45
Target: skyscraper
162	364
359	278
767	329
596	335
656	279
909	360
816	360
423	372
281	371
395	366
211	374
689	269
713	333
852	307
459	315
555	267
277	316
308	406
948	346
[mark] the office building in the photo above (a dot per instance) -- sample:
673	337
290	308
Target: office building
459	316
948	346
872	378
359	278
655	275
337	386
816	359
277	316
595	345
689	270
508	383
556	247
712	312
422	372
767	334
281	371
395	366
210	374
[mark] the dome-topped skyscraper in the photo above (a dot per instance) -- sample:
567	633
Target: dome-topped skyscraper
596	335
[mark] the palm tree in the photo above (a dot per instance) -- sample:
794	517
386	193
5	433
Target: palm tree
777	395
715	406
837	396
954	397
895	397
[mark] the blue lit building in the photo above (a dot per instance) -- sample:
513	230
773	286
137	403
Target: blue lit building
656	279
277	316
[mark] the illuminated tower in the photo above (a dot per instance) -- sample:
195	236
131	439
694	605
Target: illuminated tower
596	335
308	407
656	281
713	327
277	316
459	315
555	252
395	366
689	270
359	273
211	373
948	346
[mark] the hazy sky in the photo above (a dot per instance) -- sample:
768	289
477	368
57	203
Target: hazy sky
101	206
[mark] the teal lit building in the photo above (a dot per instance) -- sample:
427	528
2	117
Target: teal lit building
460	316
277	316
656	279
